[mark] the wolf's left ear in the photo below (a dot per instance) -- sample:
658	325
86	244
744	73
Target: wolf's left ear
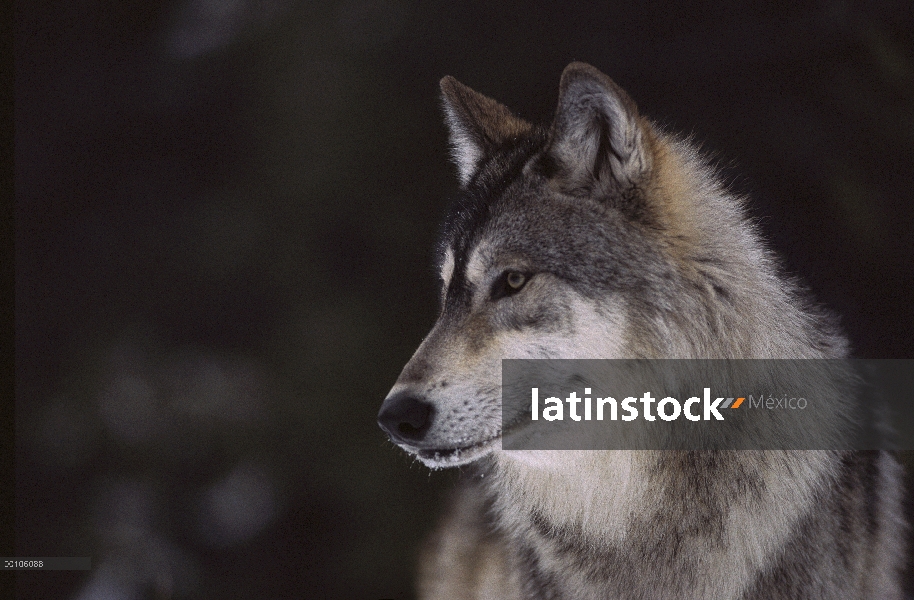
597	144
478	126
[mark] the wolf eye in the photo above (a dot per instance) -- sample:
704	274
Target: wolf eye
516	280
509	283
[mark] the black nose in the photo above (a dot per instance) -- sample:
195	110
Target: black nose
405	417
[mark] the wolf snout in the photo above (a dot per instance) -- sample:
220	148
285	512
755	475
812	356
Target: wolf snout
405	417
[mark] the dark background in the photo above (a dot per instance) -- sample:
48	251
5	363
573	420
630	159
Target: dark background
225	213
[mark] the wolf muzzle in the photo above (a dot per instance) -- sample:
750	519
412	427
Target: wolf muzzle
406	418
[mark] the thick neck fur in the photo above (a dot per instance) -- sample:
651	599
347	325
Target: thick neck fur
732	300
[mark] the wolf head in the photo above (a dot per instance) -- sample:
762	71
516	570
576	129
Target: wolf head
597	237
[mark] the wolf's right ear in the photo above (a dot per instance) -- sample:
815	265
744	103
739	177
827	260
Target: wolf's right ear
597	144
478	126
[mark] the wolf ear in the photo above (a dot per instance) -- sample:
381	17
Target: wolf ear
478	126
597	144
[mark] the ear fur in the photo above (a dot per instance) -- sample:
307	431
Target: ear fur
478	126
597	143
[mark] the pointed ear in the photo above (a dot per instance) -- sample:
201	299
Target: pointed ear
478	126
597	144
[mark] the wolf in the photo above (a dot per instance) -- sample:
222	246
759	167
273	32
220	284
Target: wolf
604	236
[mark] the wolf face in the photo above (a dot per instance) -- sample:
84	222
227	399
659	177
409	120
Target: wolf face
598	237
518	272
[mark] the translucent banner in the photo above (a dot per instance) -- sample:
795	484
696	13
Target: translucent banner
851	404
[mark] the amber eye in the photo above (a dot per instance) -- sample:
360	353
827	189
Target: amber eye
516	280
509	284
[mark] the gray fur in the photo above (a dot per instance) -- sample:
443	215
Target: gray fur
629	248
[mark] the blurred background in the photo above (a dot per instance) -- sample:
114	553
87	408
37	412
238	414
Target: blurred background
225	213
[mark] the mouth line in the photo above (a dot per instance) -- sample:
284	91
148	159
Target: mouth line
448	457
